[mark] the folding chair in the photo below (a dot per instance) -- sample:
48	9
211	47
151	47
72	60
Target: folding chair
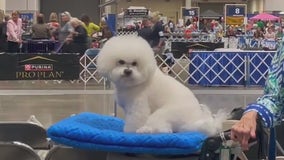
17	151
25	132
69	153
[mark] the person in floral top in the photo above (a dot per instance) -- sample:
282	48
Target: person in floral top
269	107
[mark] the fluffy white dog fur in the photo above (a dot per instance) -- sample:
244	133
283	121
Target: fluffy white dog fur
153	102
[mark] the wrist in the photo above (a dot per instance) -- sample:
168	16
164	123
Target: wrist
252	114
262	112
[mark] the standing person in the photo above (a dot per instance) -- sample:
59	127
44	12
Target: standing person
3	34
14	33
78	42
187	23
270	35
171	26
146	32
269	107
53	26
106	32
258	34
91	28
157	34
66	29
260	24
40	30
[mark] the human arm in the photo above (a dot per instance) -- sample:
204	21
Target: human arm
80	35
95	27
269	107
245	129
12	36
69	29
80	32
21	31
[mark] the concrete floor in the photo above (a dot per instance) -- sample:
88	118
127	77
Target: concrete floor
51	101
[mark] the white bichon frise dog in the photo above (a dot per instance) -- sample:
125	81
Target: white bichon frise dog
153	102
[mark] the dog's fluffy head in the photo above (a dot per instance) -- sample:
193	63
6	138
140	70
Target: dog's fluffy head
126	61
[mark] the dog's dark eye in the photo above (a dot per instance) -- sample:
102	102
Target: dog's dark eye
121	62
134	63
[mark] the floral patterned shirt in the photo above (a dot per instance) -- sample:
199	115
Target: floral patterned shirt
270	106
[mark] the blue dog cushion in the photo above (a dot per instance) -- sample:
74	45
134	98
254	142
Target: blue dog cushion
101	132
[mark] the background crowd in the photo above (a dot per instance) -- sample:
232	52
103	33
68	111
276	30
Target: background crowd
74	34
257	34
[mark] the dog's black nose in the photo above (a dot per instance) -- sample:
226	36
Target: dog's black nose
127	72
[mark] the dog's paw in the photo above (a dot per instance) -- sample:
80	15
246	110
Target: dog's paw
145	129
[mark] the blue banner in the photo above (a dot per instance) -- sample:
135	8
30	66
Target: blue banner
111	22
27	16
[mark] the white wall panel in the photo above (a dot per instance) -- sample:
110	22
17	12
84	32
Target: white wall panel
21	5
2	4
274	5
16	5
33	5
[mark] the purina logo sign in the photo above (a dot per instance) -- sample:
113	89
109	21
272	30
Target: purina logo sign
38	67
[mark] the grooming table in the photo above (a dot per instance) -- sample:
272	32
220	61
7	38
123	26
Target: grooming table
90	131
105	133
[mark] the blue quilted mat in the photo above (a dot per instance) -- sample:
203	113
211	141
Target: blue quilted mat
101	132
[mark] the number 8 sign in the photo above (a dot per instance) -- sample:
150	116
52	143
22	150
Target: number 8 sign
235	14
235	10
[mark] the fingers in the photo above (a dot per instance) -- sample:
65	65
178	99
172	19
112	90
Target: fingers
234	133
241	137
241	133
244	141
252	131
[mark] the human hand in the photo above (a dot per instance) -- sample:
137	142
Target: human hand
19	41
243	130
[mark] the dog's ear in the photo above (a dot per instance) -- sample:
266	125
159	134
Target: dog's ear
106	60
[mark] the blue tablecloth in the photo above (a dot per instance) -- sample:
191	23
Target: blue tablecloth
229	68
258	67
216	68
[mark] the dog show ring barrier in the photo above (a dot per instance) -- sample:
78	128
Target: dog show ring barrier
202	68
